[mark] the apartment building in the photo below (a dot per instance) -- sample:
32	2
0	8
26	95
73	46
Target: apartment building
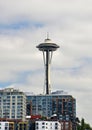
47	125
64	106
4	125
12	104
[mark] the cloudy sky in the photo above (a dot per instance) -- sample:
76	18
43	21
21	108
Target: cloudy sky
24	24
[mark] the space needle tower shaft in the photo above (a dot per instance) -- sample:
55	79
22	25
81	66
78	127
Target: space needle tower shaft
47	55
47	48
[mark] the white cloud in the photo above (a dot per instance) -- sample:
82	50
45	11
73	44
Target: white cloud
69	23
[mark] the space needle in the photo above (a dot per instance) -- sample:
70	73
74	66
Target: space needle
47	47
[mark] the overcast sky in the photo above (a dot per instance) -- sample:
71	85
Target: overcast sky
24	24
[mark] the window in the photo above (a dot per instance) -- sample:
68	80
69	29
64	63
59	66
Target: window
56	127
66	123
8	97
6	124
6	128
13	106
56	124
13	103
37	127
19	96
43	123
13	96
13	116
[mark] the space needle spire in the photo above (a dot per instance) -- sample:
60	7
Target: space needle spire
47	47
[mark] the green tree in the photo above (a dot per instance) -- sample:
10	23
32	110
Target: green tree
83	125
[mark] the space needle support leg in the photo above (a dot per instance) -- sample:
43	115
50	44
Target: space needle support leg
47	72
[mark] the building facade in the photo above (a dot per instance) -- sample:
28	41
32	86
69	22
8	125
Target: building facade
53	125
4	125
66	125
47	125
64	106
12	104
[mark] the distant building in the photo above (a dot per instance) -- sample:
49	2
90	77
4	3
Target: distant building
8	125
67	125
47	125
12	104
64	106
4	125
23	126
53	125
58	92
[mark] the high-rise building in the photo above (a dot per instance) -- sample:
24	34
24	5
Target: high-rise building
64	106
12	104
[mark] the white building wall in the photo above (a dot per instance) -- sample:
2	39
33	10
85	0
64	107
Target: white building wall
4	125
47	125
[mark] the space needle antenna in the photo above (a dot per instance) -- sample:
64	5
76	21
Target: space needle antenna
47	35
